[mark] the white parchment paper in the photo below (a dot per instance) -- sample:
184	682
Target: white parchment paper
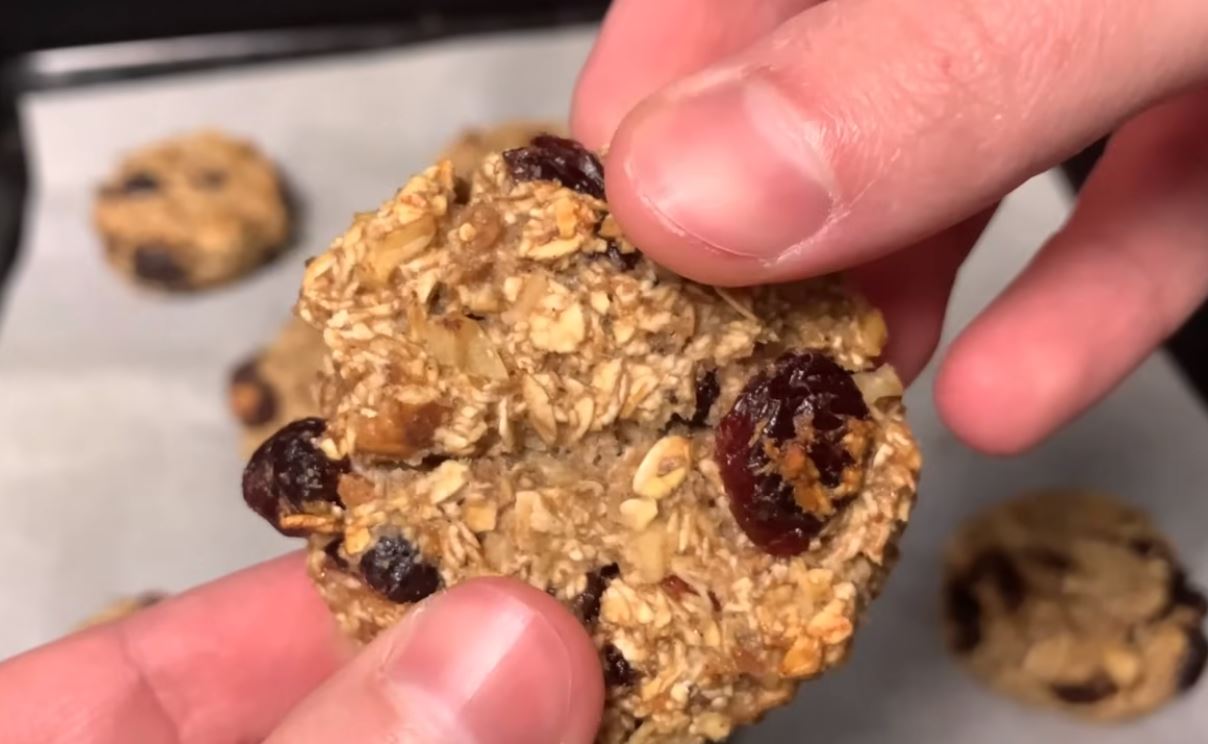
119	462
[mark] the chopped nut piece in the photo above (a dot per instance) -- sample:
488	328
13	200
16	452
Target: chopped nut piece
561	334
663	468
638	513
390	250
400	430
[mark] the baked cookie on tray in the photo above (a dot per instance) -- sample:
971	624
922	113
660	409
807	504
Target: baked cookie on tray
276	385
1074	601
192	211
712	480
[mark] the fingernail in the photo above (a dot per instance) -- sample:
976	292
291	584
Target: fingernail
479	666
732	164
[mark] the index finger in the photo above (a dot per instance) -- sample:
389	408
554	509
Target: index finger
219	664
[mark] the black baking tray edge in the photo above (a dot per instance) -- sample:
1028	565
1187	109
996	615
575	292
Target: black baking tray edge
282	29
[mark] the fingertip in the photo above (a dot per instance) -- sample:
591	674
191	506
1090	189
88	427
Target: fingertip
988	405
535	672
490	661
658	237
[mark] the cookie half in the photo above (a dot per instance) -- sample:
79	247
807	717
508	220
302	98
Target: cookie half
713	480
192	212
1074	601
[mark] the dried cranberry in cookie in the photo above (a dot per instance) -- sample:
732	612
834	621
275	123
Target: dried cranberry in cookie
792	449
289	477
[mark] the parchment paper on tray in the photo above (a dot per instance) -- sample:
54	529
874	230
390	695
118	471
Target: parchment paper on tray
119	460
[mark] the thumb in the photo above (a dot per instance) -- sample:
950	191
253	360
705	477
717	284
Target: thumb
858	127
492	661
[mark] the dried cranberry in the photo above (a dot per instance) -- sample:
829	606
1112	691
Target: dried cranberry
550	158
158	265
1093	690
1194	660
396	569
617	671
586	606
784	450
288	474
252	399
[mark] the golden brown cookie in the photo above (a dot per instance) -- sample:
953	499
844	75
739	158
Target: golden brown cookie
192	211
1074	601
712	480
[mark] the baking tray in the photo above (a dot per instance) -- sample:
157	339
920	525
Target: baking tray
119	463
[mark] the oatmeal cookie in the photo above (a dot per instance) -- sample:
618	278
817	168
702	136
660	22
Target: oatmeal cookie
192	212
277	384
713	480
123	607
1073	601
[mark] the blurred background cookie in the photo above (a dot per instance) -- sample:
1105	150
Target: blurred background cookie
1073	601
277	384
192	211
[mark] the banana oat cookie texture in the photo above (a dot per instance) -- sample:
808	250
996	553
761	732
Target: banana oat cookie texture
713	480
192	211
276	384
1073	601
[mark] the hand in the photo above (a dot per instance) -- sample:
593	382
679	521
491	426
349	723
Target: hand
768	141
255	657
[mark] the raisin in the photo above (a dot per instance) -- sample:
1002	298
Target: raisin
252	399
288	474
965	614
461	190
550	158
786	450
1194	660
396	569
617	671
1093	690
714	601
620	259
586	606
158	265
996	566
707	390
139	184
